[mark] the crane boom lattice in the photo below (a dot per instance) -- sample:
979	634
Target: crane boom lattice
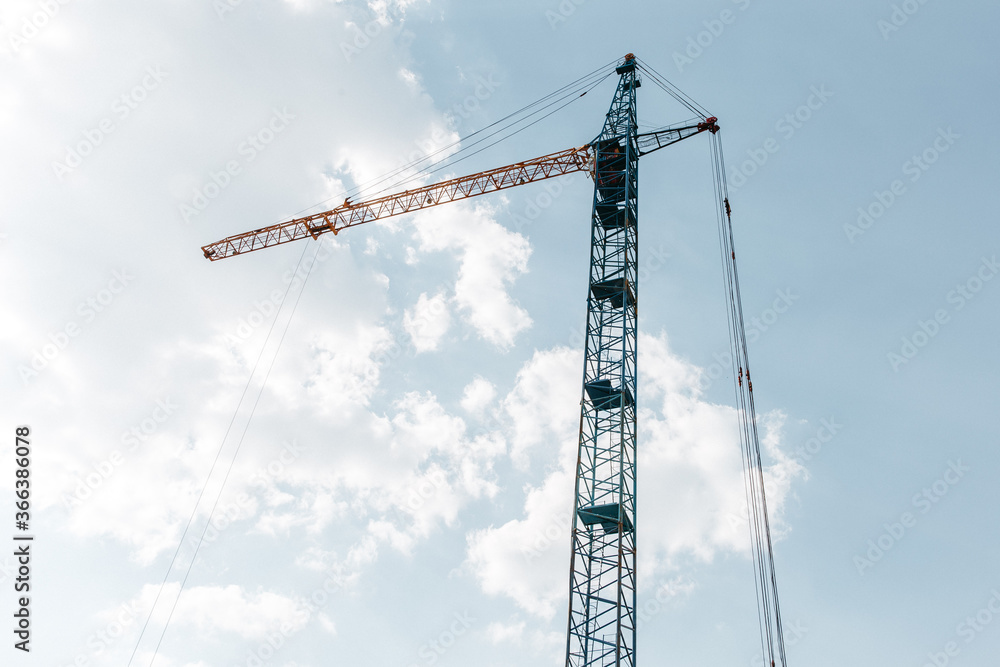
351	214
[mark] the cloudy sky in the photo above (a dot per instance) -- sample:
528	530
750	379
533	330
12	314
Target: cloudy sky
372	436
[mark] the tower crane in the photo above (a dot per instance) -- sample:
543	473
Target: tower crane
602	580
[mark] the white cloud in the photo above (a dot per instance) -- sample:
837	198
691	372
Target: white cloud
211	610
505	632
544	404
327	624
402	475
141	489
689	446
396	479
491	257
427	321
231	609
411	78
477	395
448	469
543	644
527	559
347	367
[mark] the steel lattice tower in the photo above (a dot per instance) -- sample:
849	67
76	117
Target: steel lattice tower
602	568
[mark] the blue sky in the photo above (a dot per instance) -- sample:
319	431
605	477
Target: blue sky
412	445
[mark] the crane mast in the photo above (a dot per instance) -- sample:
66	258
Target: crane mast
602	585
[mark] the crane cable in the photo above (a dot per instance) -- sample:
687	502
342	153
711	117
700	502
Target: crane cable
672	90
232	461
572	95
571	91
765	580
768	608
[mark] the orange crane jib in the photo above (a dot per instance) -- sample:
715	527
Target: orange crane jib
350	214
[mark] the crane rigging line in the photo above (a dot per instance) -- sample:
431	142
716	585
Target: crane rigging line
570	90
765	580
585	85
217	458
727	255
672	90
504	138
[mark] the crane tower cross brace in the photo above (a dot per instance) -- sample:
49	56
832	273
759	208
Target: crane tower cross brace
602	580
